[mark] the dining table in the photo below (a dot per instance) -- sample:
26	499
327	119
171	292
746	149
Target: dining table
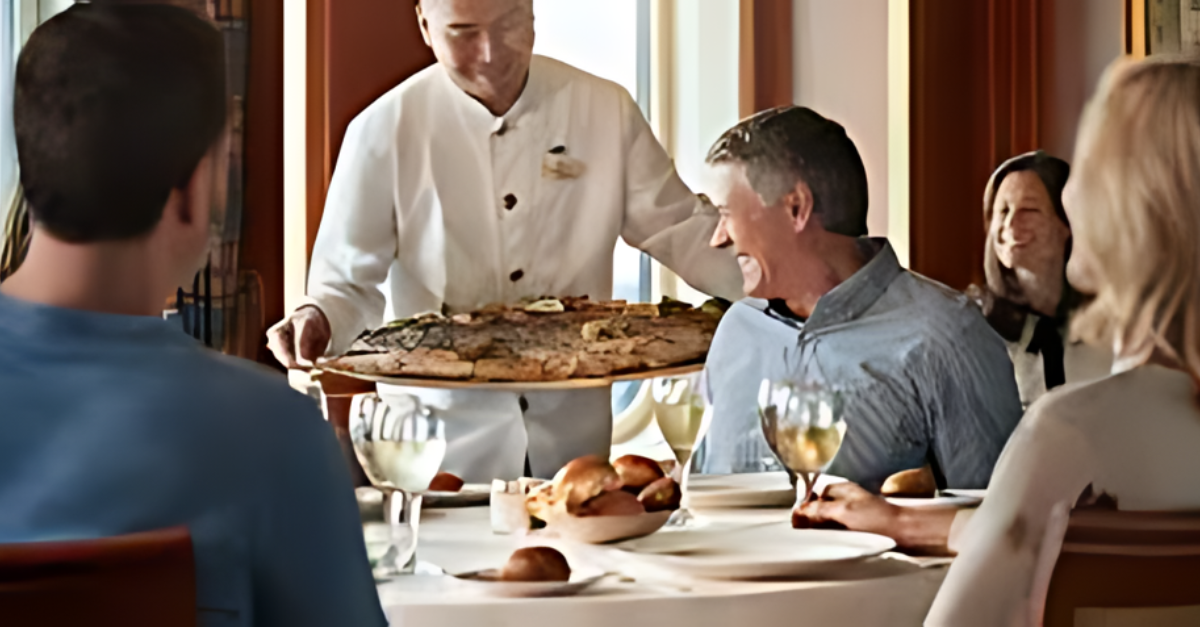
891	590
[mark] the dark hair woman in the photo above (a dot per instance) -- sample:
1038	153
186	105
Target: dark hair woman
1028	299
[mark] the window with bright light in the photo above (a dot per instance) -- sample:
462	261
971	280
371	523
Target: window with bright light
18	18
601	37
9	46
608	38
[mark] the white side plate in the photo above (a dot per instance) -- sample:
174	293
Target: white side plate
488	582
471	494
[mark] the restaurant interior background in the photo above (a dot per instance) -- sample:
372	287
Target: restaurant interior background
934	92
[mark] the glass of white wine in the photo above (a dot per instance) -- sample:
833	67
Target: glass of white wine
400	447
804	426
683	418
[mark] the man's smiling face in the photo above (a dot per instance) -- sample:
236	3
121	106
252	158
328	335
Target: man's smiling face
757	232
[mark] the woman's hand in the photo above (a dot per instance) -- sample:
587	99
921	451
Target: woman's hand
848	505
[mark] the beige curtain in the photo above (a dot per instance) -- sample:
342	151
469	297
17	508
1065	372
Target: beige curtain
16	235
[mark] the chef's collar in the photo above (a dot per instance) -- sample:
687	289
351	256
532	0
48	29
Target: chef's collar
478	116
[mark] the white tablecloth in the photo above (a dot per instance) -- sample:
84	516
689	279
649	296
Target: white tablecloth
884	592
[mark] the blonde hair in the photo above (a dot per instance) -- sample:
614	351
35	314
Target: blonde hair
1137	210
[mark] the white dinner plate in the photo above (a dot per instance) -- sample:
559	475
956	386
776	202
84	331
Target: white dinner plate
978	494
760	489
761	552
945	500
488	582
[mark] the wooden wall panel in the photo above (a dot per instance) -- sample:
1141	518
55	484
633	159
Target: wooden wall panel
1013	59
976	100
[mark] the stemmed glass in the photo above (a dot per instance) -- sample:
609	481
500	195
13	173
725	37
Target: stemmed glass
804	426
400	447
683	418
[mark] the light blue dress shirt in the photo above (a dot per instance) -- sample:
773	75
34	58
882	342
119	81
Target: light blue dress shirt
925	377
118	424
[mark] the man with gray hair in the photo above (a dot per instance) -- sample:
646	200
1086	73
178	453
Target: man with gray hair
926	380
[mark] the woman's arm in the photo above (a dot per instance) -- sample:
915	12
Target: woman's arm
1044	468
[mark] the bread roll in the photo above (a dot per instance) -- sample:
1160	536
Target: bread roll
537	563
660	496
615	503
637	472
580	480
916	483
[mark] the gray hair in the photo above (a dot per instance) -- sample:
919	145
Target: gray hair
782	146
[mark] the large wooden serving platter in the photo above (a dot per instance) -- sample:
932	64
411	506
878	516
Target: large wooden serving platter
513	386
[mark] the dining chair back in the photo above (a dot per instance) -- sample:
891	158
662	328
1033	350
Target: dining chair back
137	580
1135	568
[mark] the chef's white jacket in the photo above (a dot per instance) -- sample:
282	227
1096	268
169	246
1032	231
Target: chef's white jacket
442	204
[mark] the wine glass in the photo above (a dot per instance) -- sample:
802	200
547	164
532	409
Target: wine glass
400	447
804	426
683	418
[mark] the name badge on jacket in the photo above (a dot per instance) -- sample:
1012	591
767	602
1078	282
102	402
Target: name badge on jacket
556	164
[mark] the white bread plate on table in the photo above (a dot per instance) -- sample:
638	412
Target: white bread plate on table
593	501
918	488
536	571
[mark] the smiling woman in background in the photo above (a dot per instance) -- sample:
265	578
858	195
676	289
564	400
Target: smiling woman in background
1132	436
1028	299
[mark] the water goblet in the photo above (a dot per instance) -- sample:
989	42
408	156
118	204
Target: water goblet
400	447
804	426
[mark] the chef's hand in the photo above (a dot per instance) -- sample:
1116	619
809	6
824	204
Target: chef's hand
850	506
300	338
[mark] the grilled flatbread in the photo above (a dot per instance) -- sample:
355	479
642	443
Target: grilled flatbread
546	340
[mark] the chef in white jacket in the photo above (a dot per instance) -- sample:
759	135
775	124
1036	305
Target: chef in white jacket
492	176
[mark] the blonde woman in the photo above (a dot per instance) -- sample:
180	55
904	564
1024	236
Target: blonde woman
1134	203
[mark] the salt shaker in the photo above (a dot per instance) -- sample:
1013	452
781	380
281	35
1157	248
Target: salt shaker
508	511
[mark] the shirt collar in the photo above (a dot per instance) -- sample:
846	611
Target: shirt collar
857	294
479	118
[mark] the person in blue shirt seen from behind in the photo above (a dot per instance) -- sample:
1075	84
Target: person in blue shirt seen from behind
112	421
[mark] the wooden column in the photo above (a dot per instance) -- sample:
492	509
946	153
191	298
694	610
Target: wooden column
358	50
1134	22
765	55
262	227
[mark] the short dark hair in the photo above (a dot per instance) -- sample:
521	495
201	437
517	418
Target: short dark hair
115	106
782	145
